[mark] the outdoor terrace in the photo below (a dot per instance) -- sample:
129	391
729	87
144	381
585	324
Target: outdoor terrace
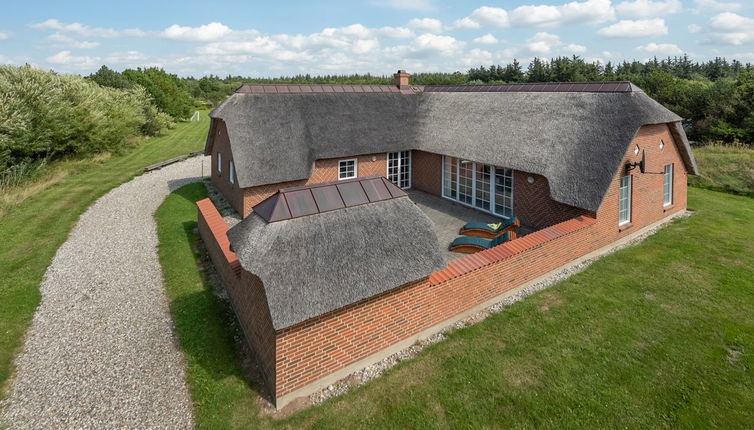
448	218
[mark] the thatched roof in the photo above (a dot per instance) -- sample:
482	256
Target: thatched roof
318	263
575	139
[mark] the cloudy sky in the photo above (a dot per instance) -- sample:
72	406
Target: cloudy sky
272	38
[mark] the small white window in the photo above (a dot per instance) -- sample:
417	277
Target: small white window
219	163
667	185
347	169
232	172
624	201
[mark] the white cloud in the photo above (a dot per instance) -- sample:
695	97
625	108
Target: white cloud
485	15
732	29
203	33
65	58
660	48
573	48
693	28
543	43
433	44
635	29
408	4
429	25
133	32
60	40
75	28
587	12
4	35
395	32
477	57
127	58
648	8
487	39
706	6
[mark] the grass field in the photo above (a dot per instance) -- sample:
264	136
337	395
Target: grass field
657	335
725	168
36	221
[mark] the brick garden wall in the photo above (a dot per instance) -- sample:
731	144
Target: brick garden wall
245	290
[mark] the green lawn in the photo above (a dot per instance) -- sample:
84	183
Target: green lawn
657	335
33	229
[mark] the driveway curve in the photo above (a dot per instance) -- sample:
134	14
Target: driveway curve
101	351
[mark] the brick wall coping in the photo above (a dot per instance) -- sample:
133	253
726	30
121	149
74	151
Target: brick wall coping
508	249
219	229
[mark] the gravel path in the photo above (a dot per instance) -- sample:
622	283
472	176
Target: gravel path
101	352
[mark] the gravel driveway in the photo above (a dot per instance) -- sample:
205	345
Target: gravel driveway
101	352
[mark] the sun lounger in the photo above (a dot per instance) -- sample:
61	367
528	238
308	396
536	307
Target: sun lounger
472	244
491	231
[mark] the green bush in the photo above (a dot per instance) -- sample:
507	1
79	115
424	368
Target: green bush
46	115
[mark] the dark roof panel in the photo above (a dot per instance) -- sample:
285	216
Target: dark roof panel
295	202
353	194
376	190
327	198
301	203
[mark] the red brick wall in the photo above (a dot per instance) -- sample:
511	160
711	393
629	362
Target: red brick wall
318	347
244	289
534	207
426	172
221	144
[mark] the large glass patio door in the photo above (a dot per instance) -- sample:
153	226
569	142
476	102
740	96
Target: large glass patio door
479	185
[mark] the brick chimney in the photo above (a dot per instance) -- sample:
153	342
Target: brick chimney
401	79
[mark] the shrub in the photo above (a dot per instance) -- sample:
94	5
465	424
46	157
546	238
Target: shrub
45	115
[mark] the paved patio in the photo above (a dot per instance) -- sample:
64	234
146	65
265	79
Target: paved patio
449	217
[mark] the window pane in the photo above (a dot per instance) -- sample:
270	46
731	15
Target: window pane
504	192
465	181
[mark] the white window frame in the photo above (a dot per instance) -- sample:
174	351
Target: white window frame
396	177
355	168
231	172
668	178
219	163
628	198
492	201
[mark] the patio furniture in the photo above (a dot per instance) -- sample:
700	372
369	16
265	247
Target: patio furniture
493	230
472	244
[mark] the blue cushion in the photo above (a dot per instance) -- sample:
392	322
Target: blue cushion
480	242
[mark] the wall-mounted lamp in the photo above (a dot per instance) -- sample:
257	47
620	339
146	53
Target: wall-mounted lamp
640	164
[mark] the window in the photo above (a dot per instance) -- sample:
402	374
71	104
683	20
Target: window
624	201
478	185
219	163
667	185
399	168
347	169
232	172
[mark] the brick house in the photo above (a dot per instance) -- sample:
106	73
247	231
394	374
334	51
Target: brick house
350	195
